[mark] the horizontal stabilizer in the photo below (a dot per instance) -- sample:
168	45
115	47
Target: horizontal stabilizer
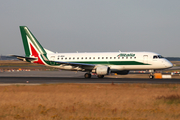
24	58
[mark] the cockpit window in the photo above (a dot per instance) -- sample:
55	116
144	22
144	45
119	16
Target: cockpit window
157	56
160	56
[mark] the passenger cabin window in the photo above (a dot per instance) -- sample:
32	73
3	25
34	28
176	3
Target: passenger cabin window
82	58
69	58
110	57
106	57
89	57
61	58
77	57
85	57
98	57
93	57
102	57
114	57
73	58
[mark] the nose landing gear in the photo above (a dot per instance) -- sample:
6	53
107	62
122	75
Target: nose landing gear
151	76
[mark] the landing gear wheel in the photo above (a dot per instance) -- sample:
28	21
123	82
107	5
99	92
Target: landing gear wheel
100	76
87	75
151	76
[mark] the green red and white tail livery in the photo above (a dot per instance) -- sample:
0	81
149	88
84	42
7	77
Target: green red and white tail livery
99	63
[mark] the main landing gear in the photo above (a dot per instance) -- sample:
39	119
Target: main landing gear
88	75
100	76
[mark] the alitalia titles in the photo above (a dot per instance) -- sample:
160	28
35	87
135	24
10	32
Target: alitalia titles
126	55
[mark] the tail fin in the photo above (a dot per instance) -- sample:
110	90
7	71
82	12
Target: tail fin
31	46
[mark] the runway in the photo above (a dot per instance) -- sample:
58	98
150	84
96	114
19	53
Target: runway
52	80
52	77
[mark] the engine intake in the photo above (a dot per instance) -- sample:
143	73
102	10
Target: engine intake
103	70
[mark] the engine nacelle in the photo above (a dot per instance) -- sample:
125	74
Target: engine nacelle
123	72
103	70
67	67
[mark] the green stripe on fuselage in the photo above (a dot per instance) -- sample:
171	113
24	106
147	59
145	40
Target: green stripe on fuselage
102	62
113	62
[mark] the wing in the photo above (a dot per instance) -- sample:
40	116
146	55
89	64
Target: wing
81	65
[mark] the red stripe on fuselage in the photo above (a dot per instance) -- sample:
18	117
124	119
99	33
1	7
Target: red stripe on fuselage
35	54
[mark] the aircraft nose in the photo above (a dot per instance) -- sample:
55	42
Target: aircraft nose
168	64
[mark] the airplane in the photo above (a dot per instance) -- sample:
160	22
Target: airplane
99	63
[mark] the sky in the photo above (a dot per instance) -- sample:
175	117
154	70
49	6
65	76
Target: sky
92	25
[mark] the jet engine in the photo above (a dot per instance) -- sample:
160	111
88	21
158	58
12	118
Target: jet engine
103	70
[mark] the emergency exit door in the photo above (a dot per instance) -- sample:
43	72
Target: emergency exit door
145	58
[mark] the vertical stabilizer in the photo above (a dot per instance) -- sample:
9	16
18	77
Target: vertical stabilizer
31	46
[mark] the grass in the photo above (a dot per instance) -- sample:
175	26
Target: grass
170	99
90	102
16	64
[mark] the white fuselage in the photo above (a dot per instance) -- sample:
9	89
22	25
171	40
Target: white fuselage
101	63
117	61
